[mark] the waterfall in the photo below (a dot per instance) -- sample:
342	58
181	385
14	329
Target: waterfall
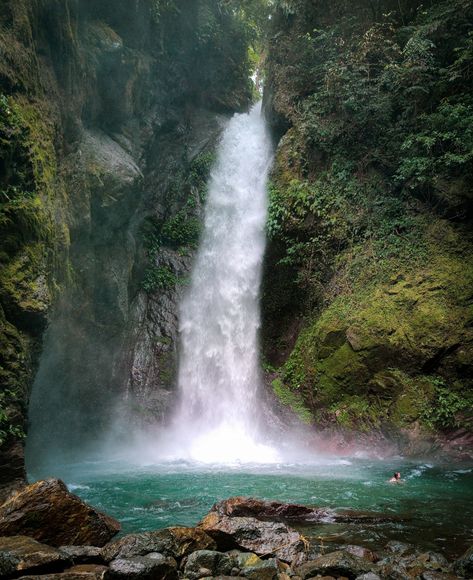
219	377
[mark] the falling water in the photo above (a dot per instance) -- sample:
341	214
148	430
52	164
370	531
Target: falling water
219	376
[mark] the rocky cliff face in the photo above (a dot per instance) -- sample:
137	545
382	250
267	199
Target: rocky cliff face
109	113
368	281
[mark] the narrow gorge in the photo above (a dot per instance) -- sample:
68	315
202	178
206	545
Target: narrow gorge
203	295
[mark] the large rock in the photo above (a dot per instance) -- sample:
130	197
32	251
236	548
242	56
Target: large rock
336	564
271	510
49	513
274	510
261	537
176	542
22	554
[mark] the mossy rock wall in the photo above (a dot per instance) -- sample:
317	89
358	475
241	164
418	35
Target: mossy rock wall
367	298
109	112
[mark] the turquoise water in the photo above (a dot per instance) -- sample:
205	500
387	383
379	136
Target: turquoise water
435	504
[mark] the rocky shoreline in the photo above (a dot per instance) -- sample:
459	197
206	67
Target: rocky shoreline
49	533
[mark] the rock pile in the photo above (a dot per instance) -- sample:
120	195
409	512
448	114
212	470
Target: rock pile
235	540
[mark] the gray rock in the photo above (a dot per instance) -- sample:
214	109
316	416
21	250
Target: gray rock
336	564
176	542
149	567
369	576
203	563
260	537
23	554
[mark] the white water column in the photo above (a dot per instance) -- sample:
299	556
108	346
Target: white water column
219	377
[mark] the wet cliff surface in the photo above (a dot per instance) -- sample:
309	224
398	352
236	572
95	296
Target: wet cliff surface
367	300
109	115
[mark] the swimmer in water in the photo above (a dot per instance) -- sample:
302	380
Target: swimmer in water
396	478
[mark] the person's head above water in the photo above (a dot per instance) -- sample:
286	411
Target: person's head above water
396	477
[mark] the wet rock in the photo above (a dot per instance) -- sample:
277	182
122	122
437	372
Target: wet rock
176	542
210	561
150	567
336	564
83	554
23	554
279	511
82	572
49	513
260	537
464	564
270	510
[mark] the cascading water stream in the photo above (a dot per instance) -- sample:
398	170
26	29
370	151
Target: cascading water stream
219	375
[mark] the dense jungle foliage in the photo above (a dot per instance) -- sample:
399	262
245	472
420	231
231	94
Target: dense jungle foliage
370	211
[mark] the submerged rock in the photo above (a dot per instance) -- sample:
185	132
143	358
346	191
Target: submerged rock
23	554
49	513
176	542
264	538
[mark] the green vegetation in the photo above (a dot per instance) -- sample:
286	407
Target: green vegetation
181	230
370	210
159	278
292	400
448	409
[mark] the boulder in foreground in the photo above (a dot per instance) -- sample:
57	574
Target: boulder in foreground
176	542
49	513
264	538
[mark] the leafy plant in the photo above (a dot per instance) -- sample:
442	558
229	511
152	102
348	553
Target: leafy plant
159	278
445	409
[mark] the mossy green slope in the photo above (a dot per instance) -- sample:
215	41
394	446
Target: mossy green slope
370	215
